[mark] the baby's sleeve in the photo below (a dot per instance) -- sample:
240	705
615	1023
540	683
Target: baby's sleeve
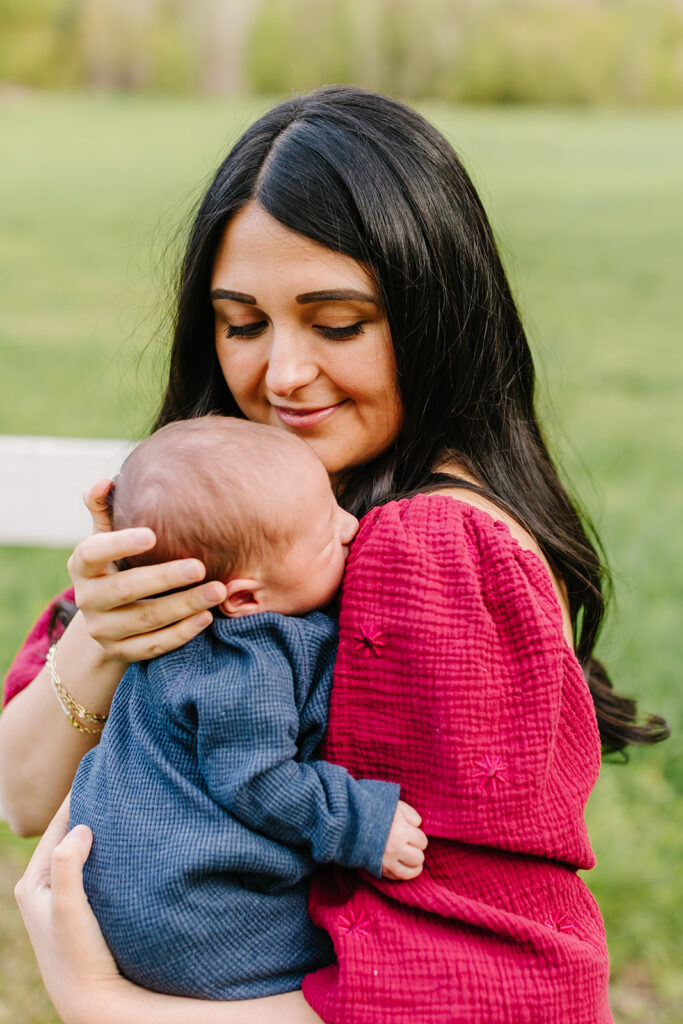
248	755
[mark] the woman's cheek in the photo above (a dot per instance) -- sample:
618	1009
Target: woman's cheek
238	369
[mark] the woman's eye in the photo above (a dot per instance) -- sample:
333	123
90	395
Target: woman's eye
245	331
340	333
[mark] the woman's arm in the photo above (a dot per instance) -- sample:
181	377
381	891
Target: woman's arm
39	748
79	972
116	624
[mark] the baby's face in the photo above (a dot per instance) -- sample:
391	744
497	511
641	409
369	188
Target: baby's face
309	573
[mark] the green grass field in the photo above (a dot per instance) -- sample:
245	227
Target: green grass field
588	207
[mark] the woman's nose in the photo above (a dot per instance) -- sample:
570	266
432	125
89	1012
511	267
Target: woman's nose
290	364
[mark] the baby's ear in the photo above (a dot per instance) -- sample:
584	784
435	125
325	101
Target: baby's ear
243	598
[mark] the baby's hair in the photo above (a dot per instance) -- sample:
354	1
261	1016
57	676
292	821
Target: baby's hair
210	488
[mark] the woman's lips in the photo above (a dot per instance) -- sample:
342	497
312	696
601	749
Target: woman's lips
303	419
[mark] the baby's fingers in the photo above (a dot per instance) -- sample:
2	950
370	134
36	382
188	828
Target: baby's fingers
402	872
409	814
416	837
411	857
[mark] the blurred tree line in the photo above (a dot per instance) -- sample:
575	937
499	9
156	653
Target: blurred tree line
493	51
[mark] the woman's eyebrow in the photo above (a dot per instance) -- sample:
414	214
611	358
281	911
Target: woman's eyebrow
338	295
223	293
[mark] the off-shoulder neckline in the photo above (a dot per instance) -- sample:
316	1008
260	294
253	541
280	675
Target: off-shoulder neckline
521	552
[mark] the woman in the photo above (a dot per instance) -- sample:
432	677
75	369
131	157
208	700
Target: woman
341	281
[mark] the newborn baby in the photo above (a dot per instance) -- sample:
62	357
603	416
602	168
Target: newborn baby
208	807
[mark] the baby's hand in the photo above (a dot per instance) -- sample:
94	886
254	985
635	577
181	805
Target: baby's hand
403	855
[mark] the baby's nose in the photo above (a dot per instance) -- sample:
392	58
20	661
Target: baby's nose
350	528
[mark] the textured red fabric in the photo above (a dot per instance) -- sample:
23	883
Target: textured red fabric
454	679
30	657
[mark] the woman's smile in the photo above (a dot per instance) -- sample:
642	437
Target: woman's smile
303	340
306	419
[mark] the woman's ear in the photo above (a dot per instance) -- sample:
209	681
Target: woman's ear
244	597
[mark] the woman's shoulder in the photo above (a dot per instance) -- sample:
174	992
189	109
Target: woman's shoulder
455	531
429	518
451	507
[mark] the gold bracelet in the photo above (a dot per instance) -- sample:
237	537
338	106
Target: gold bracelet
69	706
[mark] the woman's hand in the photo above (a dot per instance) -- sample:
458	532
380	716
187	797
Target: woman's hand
117	623
79	972
72	955
116	606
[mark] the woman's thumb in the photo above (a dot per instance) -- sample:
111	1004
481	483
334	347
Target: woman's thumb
96	500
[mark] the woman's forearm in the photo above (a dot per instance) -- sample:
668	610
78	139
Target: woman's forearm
127	1004
39	748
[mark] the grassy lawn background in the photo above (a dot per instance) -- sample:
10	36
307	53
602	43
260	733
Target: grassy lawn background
588	207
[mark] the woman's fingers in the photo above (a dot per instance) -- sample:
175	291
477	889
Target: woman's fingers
125	588
95	499
132	585
94	555
30	888
143	646
146	616
117	606
71	952
66	869
72	918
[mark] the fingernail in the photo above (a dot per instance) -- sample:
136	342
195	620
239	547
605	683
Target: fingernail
143	538
81	833
193	570
213	592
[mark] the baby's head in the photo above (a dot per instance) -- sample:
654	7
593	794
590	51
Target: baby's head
252	502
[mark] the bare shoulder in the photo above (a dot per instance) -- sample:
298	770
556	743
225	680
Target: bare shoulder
522	536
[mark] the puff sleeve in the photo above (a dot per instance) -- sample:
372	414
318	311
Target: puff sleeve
451	643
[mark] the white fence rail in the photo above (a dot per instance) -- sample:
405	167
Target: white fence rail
42	480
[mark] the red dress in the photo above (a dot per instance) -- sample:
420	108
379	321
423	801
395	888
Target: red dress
454	679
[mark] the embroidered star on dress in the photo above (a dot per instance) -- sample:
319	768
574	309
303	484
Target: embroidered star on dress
491	772
370	640
559	922
355	924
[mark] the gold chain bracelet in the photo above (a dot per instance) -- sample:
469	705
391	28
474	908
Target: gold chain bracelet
69	706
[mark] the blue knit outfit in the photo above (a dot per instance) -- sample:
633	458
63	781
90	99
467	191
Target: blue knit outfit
209	811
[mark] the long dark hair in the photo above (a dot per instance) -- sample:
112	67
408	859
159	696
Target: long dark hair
368	177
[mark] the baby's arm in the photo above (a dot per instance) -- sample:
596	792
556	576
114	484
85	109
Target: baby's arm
316	805
248	759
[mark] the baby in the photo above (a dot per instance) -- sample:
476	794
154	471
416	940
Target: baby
208	807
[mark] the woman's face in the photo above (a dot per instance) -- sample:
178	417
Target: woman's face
303	340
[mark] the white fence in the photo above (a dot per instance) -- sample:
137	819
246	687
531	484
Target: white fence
42	480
